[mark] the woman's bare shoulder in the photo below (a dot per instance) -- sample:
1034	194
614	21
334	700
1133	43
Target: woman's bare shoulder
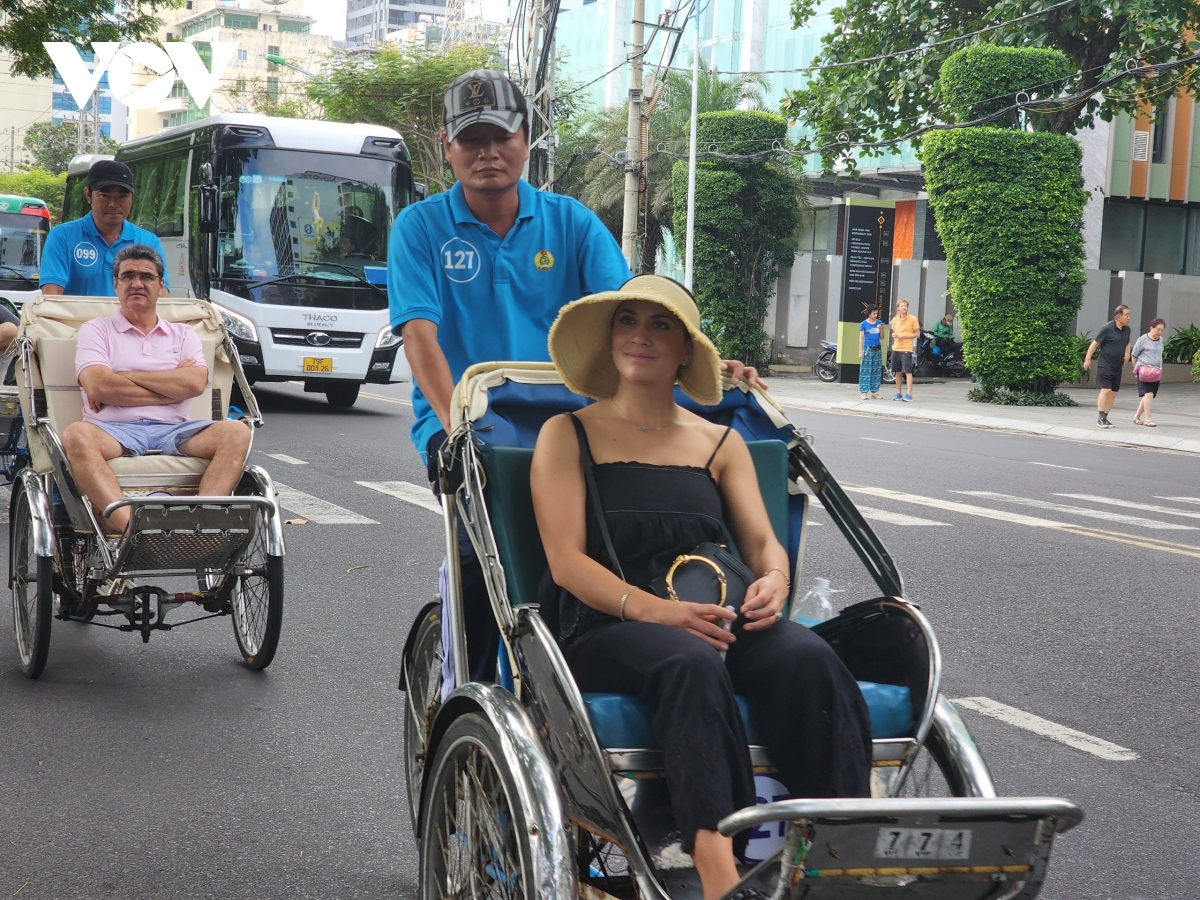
556	431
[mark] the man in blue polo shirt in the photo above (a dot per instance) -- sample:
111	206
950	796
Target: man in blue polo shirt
77	258
479	273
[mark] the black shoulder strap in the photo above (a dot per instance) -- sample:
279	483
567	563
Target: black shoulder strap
718	447
585	458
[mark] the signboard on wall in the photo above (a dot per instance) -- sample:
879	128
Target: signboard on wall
866	275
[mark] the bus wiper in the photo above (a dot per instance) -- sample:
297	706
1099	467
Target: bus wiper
19	273
353	274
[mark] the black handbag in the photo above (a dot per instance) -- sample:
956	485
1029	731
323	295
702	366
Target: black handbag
708	573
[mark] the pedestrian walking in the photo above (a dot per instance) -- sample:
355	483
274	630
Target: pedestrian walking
905	330
1147	366
1113	343
870	354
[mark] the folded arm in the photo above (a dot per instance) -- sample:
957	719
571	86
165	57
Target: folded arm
105	387
184	382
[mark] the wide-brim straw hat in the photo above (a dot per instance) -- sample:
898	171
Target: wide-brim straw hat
581	340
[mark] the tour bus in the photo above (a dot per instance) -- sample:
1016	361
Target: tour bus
283	224
24	224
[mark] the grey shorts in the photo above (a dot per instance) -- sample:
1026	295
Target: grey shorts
147	436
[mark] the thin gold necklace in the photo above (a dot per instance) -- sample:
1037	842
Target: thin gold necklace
635	424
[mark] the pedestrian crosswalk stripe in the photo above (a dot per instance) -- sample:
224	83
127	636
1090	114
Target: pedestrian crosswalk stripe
1130	504
406	491
316	510
1078	739
1103	515
894	518
283	457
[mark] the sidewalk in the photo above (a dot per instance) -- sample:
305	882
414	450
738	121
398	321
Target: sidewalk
1177	410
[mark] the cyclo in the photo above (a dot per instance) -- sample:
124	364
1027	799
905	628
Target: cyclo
526	788
227	551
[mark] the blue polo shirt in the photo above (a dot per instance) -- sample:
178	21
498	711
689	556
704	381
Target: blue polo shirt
77	259
494	299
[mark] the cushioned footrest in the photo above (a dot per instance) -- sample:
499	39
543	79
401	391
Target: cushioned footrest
623	721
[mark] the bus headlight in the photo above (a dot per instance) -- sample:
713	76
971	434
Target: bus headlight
239	326
387	339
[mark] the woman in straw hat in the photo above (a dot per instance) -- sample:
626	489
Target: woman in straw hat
667	481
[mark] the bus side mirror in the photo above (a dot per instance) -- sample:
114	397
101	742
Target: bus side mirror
208	208
420	190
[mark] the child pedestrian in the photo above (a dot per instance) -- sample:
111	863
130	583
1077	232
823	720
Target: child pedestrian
870	354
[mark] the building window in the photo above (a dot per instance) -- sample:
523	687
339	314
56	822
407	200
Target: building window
1166	237
1121	236
290	27
241	21
167	122
1158	150
243	56
1150	237
273	87
170	37
187	5
267	28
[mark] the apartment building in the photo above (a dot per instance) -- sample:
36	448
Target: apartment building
371	21
259	28
27	101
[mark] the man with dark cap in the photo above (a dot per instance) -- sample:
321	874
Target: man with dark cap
478	273
77	258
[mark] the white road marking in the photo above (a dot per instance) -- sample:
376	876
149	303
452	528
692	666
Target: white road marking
953	506
1103	515
1129	504
894	518
1181	499
1061	733
880	440
406	491
5	496
283	457
386	399
316	510
1053	466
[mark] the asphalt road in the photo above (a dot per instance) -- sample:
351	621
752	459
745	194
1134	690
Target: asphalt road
169	770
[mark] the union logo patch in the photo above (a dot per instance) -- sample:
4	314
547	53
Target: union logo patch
543	260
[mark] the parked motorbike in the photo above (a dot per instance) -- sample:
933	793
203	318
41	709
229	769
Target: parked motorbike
933	356
826	368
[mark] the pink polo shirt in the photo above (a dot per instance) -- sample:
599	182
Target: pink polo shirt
114	342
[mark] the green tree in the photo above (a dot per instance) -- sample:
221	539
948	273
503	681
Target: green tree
746	217
54	146
26	24
39	183
402	88
1009	208
886	98
600	183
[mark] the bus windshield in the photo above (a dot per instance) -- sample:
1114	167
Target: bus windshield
323	216
21	238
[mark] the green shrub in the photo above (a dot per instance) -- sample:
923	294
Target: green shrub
986	78
1082	342
745	224
1182	346
1006	397
37	183
1009	209
1196	366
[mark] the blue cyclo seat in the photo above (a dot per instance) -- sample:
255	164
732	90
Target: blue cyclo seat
622	721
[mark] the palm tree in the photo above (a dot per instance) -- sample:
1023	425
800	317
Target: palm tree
599	182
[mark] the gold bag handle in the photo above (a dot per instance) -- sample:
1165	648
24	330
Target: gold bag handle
682	560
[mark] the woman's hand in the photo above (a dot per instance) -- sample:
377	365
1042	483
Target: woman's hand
764	601
704	620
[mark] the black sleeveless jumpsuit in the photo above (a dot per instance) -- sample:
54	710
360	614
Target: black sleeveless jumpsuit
805	703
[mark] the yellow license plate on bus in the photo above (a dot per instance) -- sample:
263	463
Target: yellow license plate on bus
318	364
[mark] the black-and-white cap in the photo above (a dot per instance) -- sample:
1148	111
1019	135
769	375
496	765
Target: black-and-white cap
483	95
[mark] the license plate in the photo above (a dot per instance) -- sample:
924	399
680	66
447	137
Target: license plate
923	843
318	364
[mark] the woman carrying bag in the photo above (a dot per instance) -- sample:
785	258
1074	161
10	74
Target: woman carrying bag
1147	356
664	481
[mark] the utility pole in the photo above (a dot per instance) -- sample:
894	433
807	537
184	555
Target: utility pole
690	240
12	151
633	141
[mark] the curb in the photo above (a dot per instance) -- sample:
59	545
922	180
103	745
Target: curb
993	423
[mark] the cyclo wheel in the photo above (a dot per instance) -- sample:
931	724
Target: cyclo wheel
423	684
474	829
257	600
31	579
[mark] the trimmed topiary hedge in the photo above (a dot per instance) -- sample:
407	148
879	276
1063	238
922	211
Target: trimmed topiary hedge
745	223
986	78
1009	210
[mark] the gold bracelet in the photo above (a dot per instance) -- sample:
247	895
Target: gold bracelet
624	597
787	580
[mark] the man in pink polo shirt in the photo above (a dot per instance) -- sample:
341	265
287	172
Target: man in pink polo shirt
139	375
